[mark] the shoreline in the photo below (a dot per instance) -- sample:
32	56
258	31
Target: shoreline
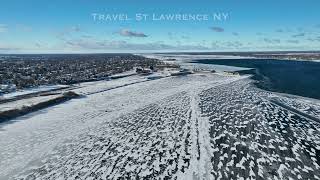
282	76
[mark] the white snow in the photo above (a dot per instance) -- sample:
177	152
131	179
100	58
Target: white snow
25	102
199	126
32	90
34	136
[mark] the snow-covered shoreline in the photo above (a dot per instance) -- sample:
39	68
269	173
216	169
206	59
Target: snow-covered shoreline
32	90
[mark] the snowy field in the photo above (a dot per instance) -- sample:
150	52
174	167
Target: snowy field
200	126
31	90
19	104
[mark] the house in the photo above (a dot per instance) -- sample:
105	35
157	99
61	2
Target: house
143	71
182	72
4	88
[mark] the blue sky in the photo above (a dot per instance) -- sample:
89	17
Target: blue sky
40	26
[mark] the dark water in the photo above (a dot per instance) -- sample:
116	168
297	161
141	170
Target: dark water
293	77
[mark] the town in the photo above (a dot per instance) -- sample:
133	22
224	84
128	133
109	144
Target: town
26	71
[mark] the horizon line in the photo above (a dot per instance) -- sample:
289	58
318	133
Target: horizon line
164	52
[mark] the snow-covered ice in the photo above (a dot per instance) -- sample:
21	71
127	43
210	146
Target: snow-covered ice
200	126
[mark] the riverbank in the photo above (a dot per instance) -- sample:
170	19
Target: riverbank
25	106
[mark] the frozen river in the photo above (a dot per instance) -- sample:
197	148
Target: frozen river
197	126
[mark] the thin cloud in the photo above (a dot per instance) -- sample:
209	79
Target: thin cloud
170	35
68	32
300	29
260	34
233	44
298	35
38	45
3	28
6	47
87	36
217	29
128	33
271	41
235	34
293	41
75	29
218	45
24	28
185	37
315	39
90	44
